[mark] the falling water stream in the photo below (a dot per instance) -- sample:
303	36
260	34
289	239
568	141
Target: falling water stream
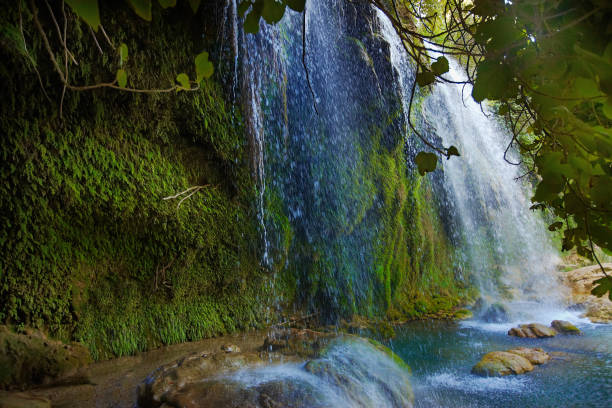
307	161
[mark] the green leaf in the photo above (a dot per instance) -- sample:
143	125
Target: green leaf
167	3
602	286
243	7
122	78
297	5
142	8
452	151
586	88
204	68
123	54
273	11
607	108
555	226
425	78
488	8
183	80
503	109
548	189
87	10
493	81
601	190
195	5
426	162
440	66
251	22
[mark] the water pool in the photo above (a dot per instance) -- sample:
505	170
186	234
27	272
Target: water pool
442	354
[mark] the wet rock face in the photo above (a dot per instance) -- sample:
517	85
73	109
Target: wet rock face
496	313
514	361
31	359
344	371
580	283
532	331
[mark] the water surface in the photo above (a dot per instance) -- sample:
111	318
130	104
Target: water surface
442	354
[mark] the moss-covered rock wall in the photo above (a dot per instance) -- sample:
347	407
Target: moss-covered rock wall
89	248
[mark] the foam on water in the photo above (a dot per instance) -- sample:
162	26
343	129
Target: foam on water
474	384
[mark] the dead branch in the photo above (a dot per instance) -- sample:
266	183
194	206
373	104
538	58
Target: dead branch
190	191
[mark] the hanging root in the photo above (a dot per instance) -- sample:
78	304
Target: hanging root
190	191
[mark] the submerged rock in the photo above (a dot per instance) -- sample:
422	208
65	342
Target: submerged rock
21	400
343	371
565	327
31	359
580	283
532	330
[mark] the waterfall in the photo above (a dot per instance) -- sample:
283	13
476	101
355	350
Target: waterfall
504	246
337	197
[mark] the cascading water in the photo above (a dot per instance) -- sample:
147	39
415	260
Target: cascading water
504	245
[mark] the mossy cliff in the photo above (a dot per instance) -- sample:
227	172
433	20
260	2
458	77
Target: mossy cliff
90	250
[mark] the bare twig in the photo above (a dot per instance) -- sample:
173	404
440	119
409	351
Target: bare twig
190	191
95	40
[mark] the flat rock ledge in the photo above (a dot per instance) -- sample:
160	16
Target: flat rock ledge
580	283
296	368
514	361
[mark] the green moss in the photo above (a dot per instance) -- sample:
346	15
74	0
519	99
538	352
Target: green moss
91	250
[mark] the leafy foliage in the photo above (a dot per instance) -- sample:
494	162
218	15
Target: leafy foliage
88	10
547	66
271	10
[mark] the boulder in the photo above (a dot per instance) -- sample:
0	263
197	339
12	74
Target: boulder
564	327
360	372
500	363
495	313
580	282
532	330
31	359
535	356
230	348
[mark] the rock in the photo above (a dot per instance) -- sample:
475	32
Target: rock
495	313
535	356
31	359
580	282
22	400
230	348
565	327
351	366
499	363
302	343
532	330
